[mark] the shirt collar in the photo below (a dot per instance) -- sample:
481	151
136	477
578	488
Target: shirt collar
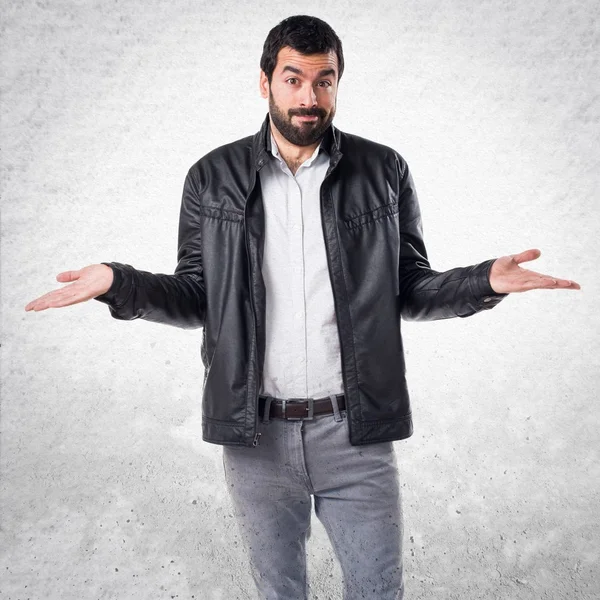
261	144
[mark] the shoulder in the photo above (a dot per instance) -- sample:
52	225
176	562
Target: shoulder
233	155
224	172
357	149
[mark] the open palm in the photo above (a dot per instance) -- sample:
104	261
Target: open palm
506	276
89	282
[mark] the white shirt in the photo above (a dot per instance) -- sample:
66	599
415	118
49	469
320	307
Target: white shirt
302	355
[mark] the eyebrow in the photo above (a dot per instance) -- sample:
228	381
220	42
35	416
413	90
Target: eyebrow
322	73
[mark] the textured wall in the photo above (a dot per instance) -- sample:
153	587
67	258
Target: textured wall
107	489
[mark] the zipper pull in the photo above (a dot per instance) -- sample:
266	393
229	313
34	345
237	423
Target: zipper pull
256	437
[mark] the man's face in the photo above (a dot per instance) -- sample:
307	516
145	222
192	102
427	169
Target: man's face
302	94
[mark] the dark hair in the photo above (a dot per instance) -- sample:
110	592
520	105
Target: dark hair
307	35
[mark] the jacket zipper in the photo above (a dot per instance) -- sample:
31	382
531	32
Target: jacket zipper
257	435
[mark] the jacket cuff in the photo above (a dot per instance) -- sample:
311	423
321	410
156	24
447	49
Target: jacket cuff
110	296
485	295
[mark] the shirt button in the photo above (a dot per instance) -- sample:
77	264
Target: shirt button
487	299
298	315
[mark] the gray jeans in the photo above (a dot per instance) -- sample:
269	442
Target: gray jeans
357	498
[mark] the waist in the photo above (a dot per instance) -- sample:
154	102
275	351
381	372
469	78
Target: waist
293	409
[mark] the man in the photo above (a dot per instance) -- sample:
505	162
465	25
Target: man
300	249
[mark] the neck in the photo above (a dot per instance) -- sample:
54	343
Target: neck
293	155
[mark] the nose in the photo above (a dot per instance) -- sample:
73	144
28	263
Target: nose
308	98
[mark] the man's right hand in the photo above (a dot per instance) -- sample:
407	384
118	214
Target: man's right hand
89	282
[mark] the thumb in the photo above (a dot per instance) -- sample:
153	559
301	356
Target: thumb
526	255
67	276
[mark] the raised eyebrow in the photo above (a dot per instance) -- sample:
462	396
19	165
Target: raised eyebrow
326	72
292	69
322	73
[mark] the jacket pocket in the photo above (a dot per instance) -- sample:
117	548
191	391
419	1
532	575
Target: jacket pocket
222	214
371	216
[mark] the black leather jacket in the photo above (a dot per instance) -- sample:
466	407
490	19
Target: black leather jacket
377	263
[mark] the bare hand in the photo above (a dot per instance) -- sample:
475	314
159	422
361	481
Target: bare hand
89	282
506	276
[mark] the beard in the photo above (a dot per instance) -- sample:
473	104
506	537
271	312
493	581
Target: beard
306	133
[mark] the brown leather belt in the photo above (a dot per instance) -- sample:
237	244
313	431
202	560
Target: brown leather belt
295	409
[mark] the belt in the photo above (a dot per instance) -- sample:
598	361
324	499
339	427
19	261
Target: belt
296	409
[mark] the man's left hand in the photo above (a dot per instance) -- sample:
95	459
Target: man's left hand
506	276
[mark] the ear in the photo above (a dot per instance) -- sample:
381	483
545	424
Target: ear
263	85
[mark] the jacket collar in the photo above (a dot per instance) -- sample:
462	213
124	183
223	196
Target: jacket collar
261	144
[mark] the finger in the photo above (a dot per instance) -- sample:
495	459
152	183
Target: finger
565	284
66	276
550	281
539	281
52	303
526	255
39	302
57	298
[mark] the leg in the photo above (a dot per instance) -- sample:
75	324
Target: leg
272	507
358	500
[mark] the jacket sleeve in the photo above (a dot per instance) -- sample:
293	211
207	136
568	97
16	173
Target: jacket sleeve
425	294
178	299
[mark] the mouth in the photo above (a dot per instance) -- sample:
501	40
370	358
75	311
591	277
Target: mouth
305	119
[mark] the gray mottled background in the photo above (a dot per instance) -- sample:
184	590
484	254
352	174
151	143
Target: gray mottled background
107	489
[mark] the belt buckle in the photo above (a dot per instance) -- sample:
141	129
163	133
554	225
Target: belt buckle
310	408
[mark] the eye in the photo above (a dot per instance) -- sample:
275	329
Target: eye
292	80
324	84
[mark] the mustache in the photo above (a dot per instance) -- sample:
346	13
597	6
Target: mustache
307	112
